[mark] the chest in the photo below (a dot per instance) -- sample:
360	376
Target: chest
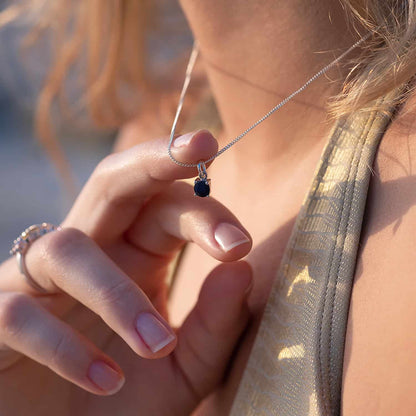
270	231
195	265
268	213
270	226
269	216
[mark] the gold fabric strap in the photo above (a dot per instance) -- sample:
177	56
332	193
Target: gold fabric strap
295	366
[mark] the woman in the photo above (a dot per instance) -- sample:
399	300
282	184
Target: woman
133	216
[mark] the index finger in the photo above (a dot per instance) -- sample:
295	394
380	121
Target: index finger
123	181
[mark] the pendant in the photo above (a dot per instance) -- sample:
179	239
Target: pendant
202	185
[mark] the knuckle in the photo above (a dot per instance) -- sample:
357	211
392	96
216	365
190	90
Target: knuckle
14	312
106	177
61	349
105	166
112	197
197	346
61	244
203	322
116	295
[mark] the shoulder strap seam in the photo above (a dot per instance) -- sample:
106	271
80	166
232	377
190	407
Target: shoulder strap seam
346	210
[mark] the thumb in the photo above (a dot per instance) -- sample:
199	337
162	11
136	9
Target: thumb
209	334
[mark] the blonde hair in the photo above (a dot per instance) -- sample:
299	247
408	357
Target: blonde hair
111	37
388	60
112	34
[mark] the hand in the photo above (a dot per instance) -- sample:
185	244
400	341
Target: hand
106	308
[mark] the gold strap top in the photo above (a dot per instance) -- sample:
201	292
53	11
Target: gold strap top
295	366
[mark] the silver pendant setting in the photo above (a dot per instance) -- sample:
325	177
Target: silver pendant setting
202	185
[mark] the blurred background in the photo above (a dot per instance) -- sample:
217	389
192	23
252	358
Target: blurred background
31	190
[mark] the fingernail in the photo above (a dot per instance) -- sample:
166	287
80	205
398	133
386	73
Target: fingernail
105	377
229	236
183	140
153	332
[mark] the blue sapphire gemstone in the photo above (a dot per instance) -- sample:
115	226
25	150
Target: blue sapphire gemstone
201	187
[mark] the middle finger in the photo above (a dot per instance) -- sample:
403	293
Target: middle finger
176	216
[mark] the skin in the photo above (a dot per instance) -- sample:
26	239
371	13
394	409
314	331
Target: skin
243	49
104	270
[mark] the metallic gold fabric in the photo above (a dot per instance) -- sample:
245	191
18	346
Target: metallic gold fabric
295	366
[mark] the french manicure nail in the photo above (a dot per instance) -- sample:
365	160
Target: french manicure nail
229	236
105	377
183	140
153	332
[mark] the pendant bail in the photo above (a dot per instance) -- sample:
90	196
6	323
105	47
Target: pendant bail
202	170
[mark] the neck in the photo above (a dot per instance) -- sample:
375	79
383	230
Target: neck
256	54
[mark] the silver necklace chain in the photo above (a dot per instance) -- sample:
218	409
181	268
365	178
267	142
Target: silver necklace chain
190	67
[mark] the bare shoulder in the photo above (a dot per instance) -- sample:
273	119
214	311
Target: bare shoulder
380	355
